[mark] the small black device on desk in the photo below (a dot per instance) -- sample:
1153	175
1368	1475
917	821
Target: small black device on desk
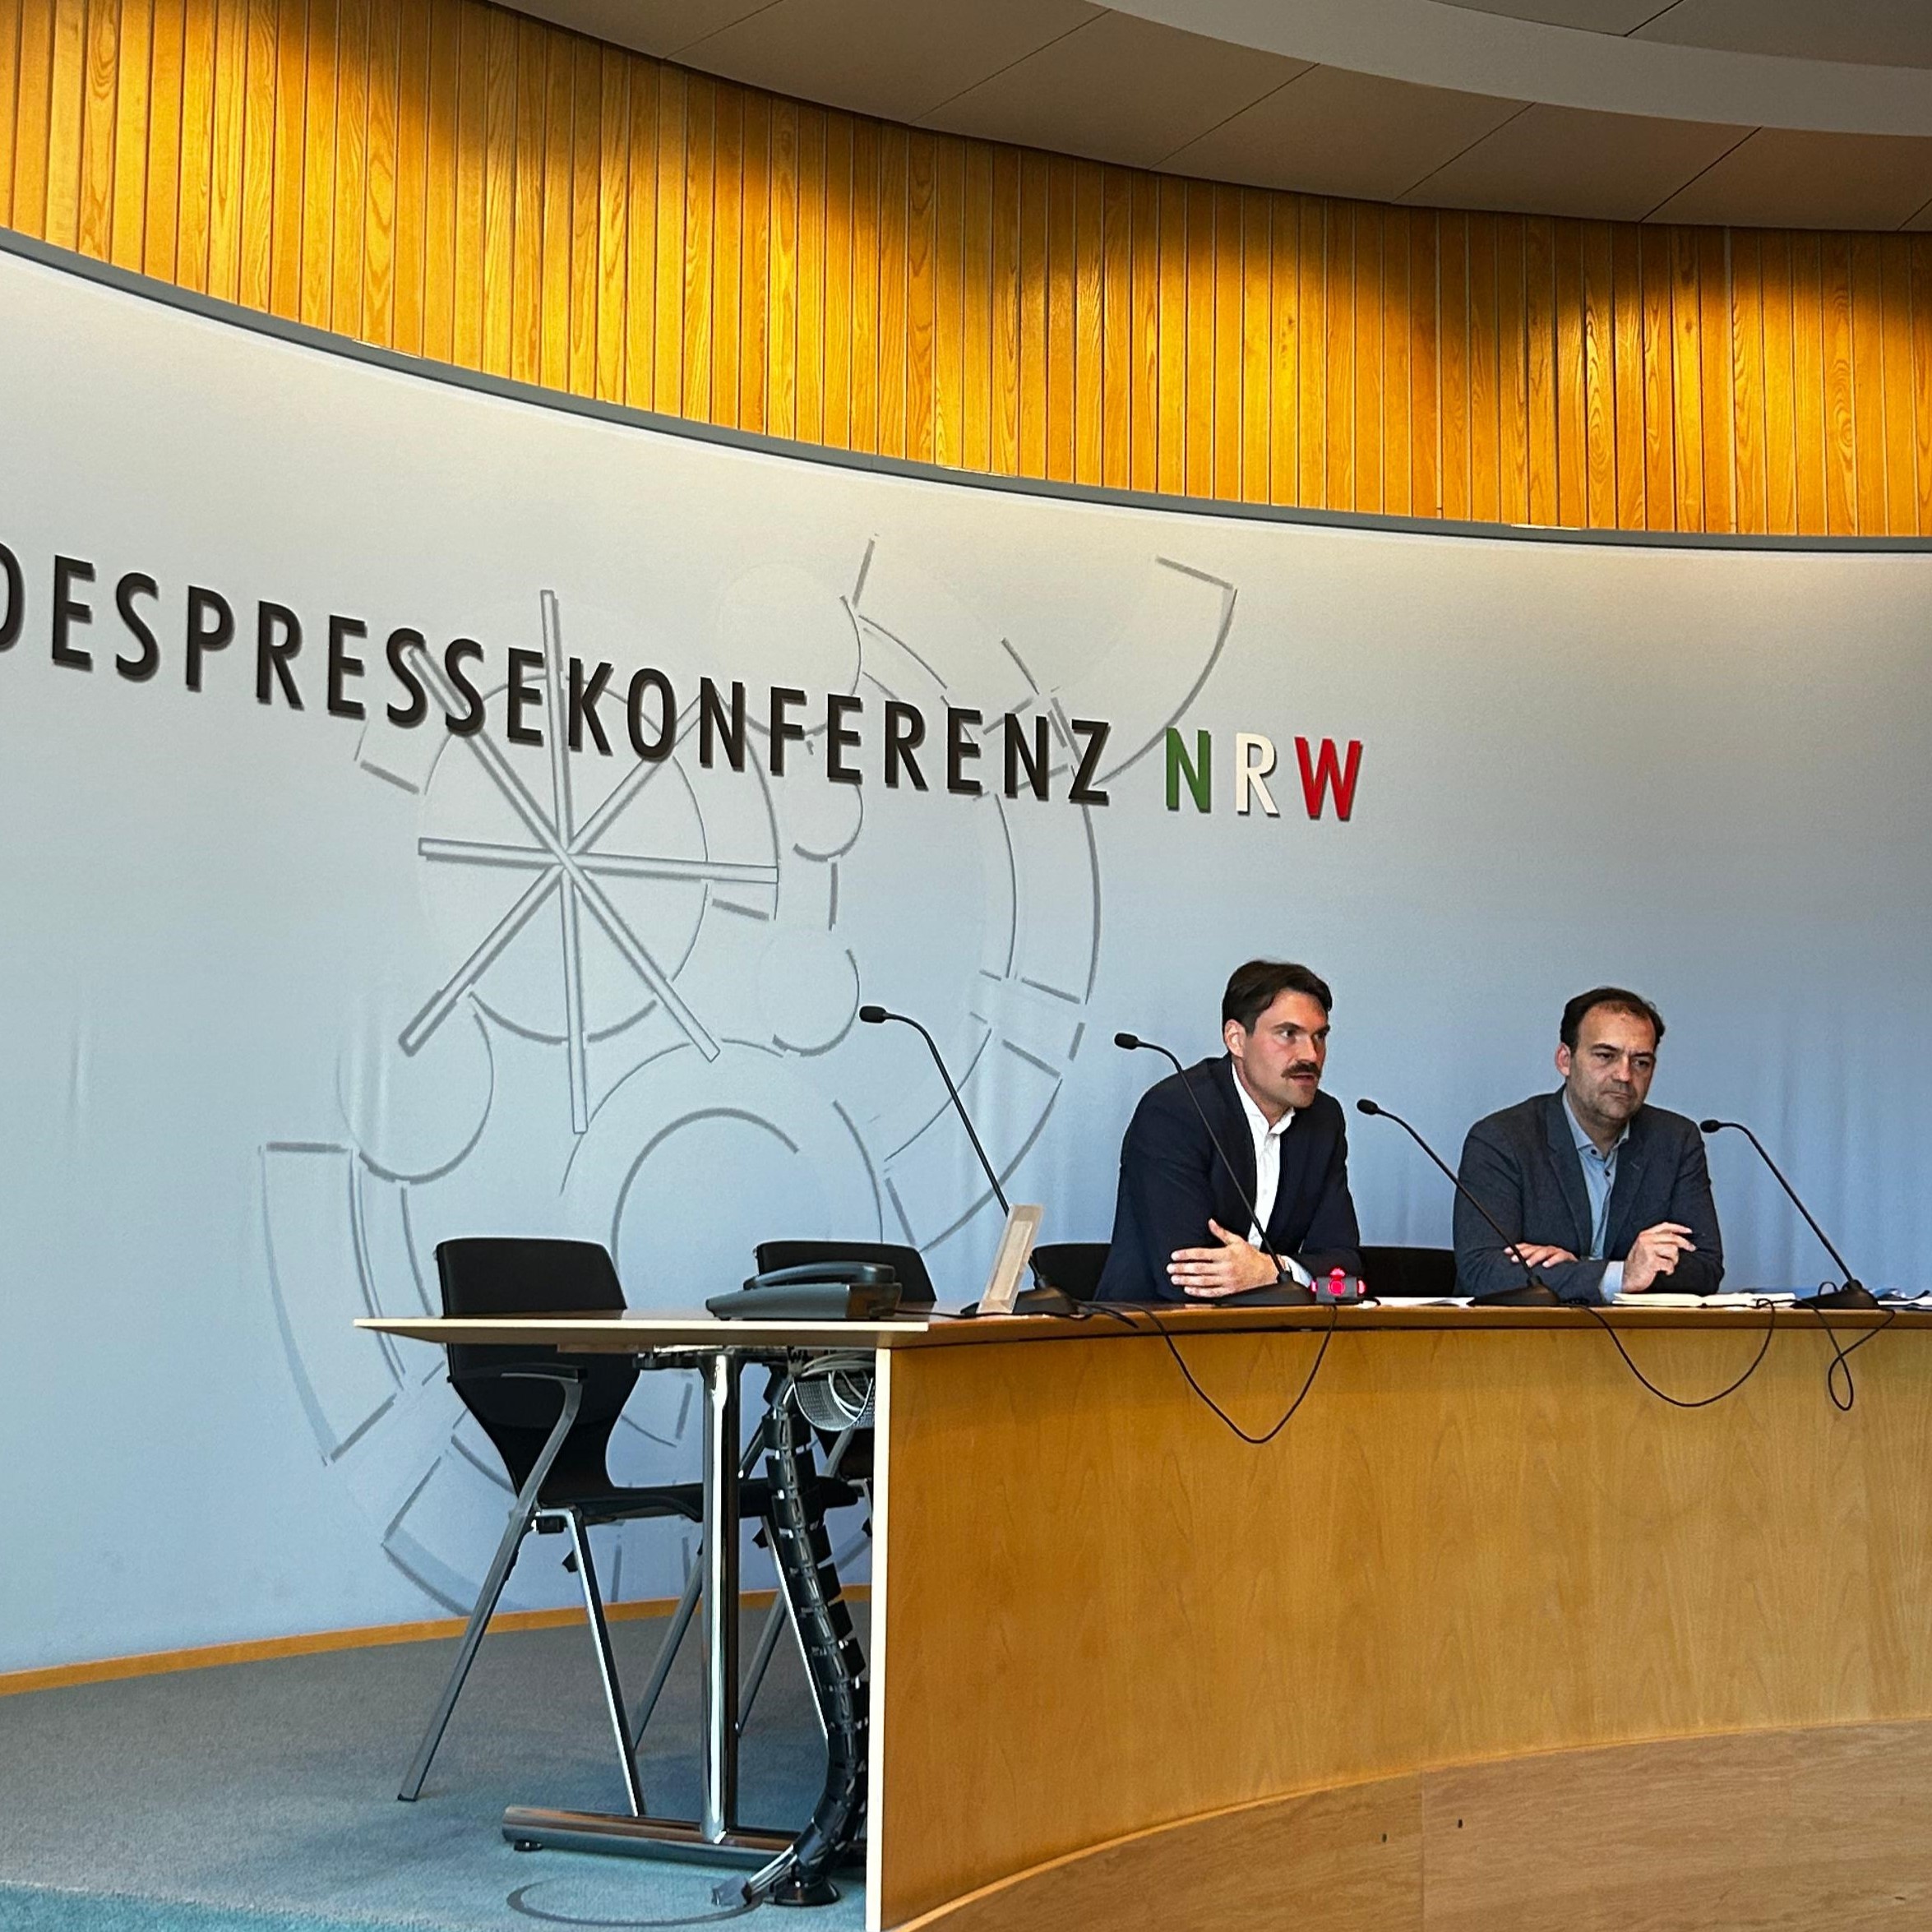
1336	1287
814	1290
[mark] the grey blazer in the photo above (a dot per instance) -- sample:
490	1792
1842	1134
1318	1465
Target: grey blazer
1522	1165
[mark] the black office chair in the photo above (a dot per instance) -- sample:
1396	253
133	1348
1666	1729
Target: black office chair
1398	1274
1075	1268
550	1418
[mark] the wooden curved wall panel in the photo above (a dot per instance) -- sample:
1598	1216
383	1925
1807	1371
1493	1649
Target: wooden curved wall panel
1104	1612
470	185
1780	1831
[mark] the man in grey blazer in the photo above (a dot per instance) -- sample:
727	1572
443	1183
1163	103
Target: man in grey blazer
1600	1193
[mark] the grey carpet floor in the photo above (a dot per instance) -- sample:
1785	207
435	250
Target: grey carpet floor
271	1787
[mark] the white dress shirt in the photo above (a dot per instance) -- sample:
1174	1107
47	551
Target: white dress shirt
1268	1172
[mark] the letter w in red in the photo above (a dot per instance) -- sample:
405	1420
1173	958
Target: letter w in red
1327	773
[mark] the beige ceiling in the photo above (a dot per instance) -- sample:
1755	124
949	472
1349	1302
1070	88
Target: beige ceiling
1115	84
1885	33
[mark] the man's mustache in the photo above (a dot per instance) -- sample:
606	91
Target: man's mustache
1304	1069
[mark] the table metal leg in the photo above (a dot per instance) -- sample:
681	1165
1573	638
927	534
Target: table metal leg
715	1837
720	1800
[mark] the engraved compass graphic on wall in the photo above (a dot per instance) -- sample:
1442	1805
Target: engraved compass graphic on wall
561	852
638	1025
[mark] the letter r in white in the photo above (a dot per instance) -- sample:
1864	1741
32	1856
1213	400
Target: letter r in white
1254	759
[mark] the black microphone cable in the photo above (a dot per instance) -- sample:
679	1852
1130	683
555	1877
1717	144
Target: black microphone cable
1682	1402
1160	1328
1837	1376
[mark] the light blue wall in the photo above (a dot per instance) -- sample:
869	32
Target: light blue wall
1697	772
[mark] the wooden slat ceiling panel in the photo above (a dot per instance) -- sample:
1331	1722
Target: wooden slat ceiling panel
480	188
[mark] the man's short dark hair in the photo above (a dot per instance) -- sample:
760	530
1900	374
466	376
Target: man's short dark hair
1253	988
1618	999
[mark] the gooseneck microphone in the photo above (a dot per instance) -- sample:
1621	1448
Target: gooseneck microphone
1535	1292
1854	1293
1043	1298
878	1016
1287	1292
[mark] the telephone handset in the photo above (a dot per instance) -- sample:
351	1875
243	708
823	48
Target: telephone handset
814	1290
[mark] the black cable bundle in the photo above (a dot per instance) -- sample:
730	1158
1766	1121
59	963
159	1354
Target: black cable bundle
833	1663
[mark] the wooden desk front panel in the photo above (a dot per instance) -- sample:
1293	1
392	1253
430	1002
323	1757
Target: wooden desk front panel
1102	1611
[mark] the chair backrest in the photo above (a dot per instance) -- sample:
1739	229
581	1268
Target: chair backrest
1073	1267
915	1284
1394	1274
494	1275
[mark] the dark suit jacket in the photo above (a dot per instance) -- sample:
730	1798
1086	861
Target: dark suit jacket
1523	1165
1173	1182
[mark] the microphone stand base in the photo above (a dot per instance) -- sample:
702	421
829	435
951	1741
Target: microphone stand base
1852	1295
1041	1301
1045	1299
1275	1295
1530	1295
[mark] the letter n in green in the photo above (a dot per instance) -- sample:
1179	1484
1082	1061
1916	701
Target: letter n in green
1199	773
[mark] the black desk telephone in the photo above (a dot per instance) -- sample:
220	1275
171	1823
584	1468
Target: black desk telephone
814	1290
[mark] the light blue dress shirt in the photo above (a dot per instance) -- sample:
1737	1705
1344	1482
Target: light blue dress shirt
1599	1178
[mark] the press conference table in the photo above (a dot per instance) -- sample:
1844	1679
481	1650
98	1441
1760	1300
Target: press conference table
1119	1656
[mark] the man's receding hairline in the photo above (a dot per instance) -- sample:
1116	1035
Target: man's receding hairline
1622	1006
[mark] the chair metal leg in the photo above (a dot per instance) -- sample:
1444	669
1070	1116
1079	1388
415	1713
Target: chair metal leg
768	1641
785	1607
681	1618
514	1530
607	1664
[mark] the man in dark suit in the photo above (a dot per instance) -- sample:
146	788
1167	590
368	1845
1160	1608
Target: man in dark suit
1600	1193
1182	1229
